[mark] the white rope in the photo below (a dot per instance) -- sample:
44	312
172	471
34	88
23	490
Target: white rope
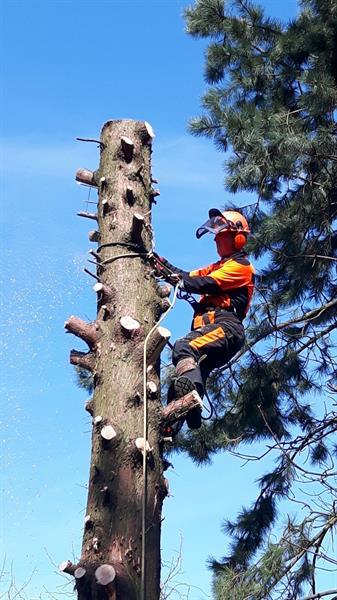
145	434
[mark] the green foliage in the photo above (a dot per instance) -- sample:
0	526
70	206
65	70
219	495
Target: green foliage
254	582
84	379
271	105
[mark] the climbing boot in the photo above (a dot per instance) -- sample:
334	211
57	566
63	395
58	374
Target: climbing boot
179	387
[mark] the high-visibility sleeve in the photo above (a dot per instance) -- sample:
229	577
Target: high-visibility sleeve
203	271
230	275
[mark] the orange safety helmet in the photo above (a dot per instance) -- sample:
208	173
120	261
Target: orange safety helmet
228	220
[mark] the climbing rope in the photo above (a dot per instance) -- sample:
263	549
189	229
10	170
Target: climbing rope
145	436
211	409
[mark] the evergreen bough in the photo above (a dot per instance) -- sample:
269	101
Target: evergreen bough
271	106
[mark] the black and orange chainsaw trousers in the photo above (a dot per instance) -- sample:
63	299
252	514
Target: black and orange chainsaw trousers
211	346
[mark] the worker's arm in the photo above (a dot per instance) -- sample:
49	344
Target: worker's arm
229	276
165	270
169	266
175	275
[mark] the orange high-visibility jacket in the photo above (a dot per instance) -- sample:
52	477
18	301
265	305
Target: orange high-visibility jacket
227	284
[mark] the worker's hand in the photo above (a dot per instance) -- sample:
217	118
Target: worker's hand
158	266
174	279
165	264
164	269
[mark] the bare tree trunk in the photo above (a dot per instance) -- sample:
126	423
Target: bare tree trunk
128	306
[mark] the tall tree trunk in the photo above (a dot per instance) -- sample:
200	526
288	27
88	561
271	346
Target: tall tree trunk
129	304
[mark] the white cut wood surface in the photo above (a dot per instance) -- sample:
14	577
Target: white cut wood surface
105	574
108	432
129	323
79	573
140	444
149	129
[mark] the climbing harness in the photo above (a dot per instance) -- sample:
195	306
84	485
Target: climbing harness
182	295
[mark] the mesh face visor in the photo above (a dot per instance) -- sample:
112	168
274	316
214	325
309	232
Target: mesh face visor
215	225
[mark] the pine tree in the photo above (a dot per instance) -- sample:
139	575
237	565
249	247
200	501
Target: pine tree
120	558
271	106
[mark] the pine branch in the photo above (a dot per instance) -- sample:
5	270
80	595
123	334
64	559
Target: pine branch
274	328
271	101
321	595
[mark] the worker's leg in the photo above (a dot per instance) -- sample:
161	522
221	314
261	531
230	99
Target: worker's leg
217	347
196	355
186	360
187	378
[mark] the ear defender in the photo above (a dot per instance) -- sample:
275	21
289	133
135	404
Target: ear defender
239	241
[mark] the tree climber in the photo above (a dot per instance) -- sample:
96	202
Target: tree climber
226	288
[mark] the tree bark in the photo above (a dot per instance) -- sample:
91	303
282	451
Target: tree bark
111	550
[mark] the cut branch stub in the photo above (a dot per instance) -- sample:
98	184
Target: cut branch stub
95	544
157	343
88	522
127	147
106	207
166	486
86	176
164	290
148	129
105	495
91	274
89	332
94	236
67	567
108	433
95	255
130	196
137	226
178	409
152	388
89	407
106	312
165	305
79	573
105	292
87	215
105	574
154	193
139	443
86	360
130	326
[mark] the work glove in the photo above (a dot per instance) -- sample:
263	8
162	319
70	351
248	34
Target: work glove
164	269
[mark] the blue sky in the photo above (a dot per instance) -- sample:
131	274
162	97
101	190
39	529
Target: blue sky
69	67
